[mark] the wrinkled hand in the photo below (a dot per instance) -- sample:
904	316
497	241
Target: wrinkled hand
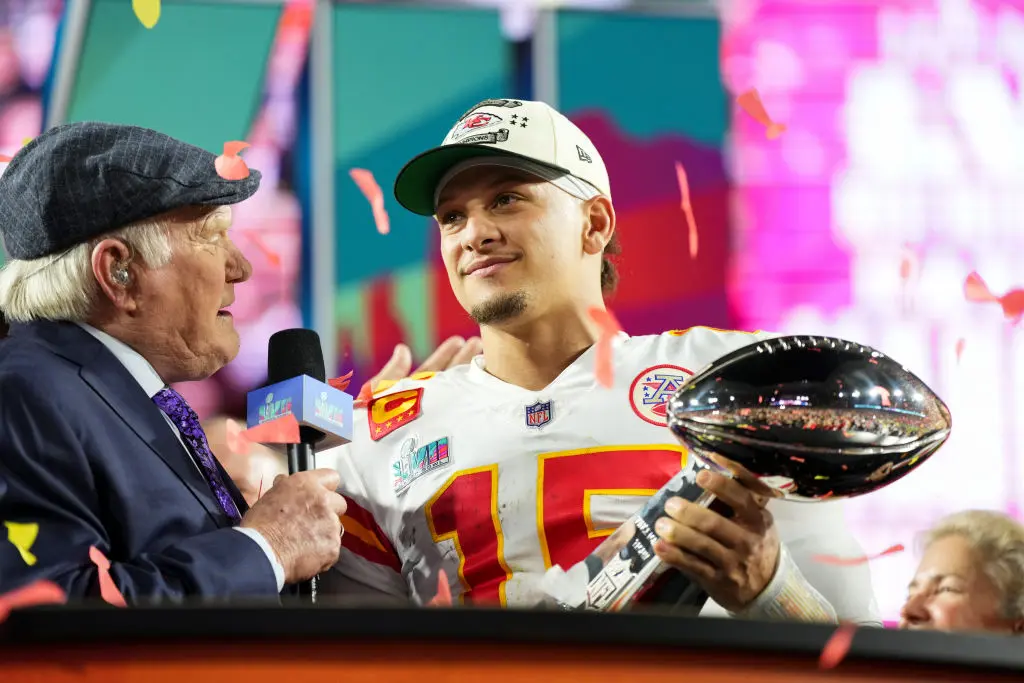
732	559
452	351
300	516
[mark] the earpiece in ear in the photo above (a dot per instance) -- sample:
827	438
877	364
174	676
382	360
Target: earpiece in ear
120	276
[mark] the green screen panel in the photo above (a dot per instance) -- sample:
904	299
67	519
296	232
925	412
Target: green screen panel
669	80
197	75
401	78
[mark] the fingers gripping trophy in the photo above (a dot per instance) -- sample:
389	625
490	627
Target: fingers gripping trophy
799	418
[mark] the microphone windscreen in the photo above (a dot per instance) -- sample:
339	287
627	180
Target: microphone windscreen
295	352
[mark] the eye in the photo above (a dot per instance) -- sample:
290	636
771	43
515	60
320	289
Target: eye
449	218
505	198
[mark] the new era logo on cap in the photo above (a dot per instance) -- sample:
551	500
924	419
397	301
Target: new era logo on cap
503	127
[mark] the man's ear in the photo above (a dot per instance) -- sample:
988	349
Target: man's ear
115	273
600	224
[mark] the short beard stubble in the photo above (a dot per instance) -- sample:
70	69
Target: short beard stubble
499	308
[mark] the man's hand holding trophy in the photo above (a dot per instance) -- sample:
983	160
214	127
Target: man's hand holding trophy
799	418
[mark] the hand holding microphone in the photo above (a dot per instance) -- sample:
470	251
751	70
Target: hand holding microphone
300	514
300	518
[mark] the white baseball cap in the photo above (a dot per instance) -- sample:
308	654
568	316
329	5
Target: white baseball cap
530	136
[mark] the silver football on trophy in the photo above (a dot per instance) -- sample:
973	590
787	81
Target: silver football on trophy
811	418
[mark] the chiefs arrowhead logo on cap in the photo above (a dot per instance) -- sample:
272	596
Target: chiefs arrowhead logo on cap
474	123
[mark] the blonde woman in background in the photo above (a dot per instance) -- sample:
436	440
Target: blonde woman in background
971	576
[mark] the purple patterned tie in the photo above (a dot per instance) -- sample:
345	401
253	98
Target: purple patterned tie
187	422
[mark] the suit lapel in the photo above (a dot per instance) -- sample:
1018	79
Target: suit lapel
116	387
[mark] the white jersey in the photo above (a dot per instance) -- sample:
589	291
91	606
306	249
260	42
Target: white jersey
496	484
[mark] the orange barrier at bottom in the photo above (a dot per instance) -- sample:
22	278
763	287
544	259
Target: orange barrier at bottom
325	645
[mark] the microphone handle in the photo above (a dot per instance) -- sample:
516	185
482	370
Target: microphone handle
302	458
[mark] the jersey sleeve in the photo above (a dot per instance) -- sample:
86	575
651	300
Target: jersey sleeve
819	529
368	567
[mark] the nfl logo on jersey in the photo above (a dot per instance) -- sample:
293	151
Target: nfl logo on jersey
539	414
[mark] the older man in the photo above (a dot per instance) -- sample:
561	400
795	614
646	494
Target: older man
122	271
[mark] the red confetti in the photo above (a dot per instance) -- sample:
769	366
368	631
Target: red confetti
960	343
229	165
1012	302
796	459
4	158
443	597
364	397
691	222
837	647
341	383
237	440
280	430
851	561
36	593
603	366
272	256
371	190
108	589
975	289
751	103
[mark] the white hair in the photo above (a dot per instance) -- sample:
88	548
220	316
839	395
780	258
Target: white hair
998	541
62	287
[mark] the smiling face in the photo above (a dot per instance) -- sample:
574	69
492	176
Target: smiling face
183	303
514	244
951	592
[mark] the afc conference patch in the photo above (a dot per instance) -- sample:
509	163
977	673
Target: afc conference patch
652	389
539	414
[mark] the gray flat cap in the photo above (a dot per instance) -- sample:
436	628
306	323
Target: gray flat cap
80	180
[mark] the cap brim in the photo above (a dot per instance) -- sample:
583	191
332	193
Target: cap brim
418	179
220	192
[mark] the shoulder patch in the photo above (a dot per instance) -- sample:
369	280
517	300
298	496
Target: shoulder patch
385	414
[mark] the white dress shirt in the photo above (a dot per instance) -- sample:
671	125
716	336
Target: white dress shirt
139	368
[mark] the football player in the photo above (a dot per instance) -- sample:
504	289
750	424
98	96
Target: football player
500	469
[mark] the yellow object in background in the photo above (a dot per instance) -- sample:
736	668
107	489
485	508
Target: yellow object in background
148	11
22	536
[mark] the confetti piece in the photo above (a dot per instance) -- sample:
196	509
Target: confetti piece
5	159
25	141
364	396
341	383
975	289
837	647
851	561
371	190
603	366
22	536
691	222
960	343
281	430
237	441
229	165
796	459
751	103
36	593
272	256
1012	302
148	11
443	597
108	589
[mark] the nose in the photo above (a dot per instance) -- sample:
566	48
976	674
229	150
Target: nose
480	232
238	269
914	611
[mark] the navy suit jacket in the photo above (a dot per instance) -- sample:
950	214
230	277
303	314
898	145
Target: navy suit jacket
87	455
